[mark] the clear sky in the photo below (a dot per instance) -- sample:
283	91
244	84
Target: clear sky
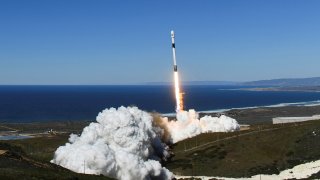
124	42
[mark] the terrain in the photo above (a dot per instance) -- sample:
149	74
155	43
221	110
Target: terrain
263	148
313	81
264	115
286	88
30	158
24	159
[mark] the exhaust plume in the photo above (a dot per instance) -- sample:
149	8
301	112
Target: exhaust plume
189	125
128	143
122	144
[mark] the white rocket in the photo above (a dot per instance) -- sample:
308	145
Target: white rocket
175	68
178	95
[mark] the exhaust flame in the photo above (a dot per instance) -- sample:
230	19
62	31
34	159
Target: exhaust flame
178	94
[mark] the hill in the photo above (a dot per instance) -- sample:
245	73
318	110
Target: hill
264	149
30	158
15	163
313	81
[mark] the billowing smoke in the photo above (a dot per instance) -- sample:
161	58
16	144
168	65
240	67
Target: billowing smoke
189	125
128	144
122	144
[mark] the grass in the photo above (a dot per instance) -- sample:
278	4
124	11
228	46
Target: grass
30	158
266	149
39	127
17	164
41	148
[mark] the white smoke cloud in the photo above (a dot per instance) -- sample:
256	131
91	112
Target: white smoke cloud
121	144
189	125
126	143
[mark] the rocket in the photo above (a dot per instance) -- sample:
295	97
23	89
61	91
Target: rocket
175	68
178	94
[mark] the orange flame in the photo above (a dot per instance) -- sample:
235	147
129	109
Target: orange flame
181	101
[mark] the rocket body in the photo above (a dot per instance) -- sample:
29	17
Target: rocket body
178	94
175	68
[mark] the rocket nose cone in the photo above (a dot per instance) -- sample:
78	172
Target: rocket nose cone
172	33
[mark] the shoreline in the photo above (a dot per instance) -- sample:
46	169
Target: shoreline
260	115
294	104
281	88
244	115
264	115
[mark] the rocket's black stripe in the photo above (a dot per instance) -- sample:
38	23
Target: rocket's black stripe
175	68
173	45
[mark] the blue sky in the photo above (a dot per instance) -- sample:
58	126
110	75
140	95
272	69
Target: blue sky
125	42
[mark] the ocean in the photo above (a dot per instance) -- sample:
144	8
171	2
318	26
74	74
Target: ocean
74	103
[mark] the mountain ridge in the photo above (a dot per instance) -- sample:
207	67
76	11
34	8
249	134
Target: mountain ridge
312	81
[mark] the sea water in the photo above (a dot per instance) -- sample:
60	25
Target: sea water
61	103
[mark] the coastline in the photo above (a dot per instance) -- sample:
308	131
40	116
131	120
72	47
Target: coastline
244	115
255	115
264	114
284	89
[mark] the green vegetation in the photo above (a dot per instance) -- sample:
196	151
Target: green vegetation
40	127
30	158
41	148
17	164
265	149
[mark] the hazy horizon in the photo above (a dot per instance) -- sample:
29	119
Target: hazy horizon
163	83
